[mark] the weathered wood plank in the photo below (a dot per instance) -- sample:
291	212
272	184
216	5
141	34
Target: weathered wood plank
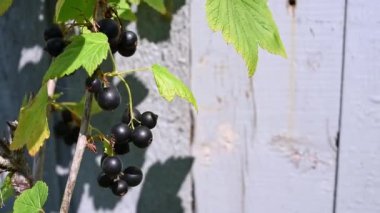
269	146
359	174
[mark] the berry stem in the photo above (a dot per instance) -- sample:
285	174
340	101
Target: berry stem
78	155
112	74
130	99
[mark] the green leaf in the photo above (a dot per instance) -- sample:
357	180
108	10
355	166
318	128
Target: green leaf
4	6
78	10
247	24
124	10
158	5
170	86
78	107
6	190
134	1
33	129
32	200
87	51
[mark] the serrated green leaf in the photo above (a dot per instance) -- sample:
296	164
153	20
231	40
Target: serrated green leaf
33	129
169	86
4	6
32	200
78	107
78	10
247	24
158	5
87	51
6	190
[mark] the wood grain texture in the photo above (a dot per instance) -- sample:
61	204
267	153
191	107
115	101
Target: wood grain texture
270	148
359	174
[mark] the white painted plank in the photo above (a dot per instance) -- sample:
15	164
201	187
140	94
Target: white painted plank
359	163
269	149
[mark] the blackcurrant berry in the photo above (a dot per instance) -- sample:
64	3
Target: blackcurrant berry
53	32
104	180
121	148
142	136
103	157
66	115
149	119
55	46
114	45
121	132
108	98
127	52
93	85
111	166
61	129
126	118
128	40
119	187
132	175
72	136
110	28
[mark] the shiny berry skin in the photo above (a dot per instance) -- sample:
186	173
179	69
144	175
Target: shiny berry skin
128	43
104	180
114	45
55	46
142	137
112	166
119	187
93	85
132	175
110	28
149	119
66	115
121	132
53	32
126	118
121	148
109	98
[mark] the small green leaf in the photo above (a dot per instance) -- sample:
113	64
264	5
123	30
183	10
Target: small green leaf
134	1
78	107
6	190
33	129
87	51
170	86
73	9
247	24
158	5
4	6
124	11
32	200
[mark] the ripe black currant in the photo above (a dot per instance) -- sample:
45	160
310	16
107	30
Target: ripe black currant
61	129
128	44
53	32
108	98
114	45
119	187
93	84
104	180
121	132
66	115
121	148
55	46
111	166
132	175
149	119
103	157
142	136
126	118
110	28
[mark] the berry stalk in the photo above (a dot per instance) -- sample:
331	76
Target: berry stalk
78	155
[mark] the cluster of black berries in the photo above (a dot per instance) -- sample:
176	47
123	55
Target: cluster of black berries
118	180
55	44
67	128
107	95
120	40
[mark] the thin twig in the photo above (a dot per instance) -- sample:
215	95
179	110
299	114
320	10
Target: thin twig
78	155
